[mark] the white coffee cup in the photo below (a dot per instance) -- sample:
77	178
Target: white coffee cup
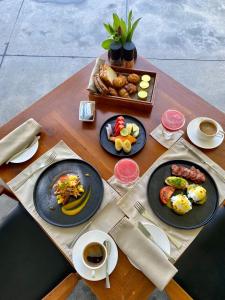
94	256
208	128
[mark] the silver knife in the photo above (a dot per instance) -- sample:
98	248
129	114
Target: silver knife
202	160
145	231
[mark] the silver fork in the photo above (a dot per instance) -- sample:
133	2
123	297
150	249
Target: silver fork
142	211
46	163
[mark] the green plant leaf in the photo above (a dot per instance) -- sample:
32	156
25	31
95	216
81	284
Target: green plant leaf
106	44
130	15
116	21
123	26
131	32
109	28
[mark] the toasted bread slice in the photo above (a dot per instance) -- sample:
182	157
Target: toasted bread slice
107	74
101	87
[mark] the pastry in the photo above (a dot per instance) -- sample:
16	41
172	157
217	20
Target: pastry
100	86
113	92
107	74
123	93
119	81
133	78
131	88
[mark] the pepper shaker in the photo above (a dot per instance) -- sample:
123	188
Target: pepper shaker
128	55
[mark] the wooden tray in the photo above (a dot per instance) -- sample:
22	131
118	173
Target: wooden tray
133	102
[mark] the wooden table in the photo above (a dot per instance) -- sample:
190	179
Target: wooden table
57	112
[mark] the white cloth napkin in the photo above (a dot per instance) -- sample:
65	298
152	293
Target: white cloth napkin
157	134
152	262
18	139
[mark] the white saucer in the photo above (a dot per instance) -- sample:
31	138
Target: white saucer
27	154
201	142
88	237
159	237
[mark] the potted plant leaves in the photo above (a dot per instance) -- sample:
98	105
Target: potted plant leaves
119	42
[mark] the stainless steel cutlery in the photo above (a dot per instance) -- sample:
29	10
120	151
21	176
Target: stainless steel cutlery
145	231
142	211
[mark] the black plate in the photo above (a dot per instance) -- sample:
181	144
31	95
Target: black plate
44	197
110	146
199	215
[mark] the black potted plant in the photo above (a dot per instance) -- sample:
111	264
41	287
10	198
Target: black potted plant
119	42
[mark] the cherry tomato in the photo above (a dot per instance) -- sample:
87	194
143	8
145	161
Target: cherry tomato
165	193
63	177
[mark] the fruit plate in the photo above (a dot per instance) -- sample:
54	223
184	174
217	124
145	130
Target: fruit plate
45	201
133	101
110	146
199	215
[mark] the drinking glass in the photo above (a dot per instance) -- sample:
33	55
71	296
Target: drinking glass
126	171
172	121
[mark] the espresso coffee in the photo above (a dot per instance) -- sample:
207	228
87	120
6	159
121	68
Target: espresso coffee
94	254
208	128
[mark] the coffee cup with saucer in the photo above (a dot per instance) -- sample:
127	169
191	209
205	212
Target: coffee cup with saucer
205	133
84	268
94	256
208	128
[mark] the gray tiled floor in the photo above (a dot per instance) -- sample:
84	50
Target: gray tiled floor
37	76
192	29
55	28
8	14
43	42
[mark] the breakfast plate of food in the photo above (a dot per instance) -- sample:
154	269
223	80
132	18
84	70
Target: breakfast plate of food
122	135
182	194
68	193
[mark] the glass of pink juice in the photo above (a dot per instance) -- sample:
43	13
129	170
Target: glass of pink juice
126	171
172	121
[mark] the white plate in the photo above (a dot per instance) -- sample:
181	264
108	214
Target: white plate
192	133
159	237
88	237
27	154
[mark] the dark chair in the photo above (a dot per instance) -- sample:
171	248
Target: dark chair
30	264
201	269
